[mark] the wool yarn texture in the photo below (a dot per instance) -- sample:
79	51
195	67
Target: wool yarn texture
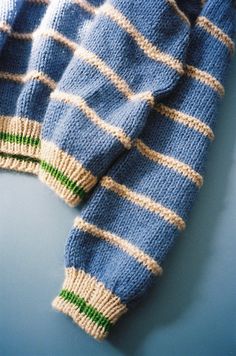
112	104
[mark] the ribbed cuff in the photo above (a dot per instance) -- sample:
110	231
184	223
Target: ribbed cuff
19	144
92	306
64	174
19	163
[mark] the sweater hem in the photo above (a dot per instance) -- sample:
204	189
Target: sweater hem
19	144
17	163
89	303
20	136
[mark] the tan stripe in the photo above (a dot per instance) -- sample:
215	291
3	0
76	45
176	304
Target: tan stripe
190	71
20	126
143	201
46	2
148	48
94	292
85	5
185	119
205	78
4	27
27	36
180	13
215	31
79	102
95	61
57	37
23	78
124	88
121	84
19	165
123	244
99	64
170	162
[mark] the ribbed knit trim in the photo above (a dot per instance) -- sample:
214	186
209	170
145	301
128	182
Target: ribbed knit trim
64	174
86	300
19	163
19	144
19	136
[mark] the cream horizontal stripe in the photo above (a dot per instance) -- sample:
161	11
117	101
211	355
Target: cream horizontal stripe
22	36
79	102
190	71
123	244
56	36
98	63
23	78
148	48
46	2
94	292
121	85
143	201
68	165
95	61
124	88
215	31
4	27
186	120
178	11
85	5
205	78
170	162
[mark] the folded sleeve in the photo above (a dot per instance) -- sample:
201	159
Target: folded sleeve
124	231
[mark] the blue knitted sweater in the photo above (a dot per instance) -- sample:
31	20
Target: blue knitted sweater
113	104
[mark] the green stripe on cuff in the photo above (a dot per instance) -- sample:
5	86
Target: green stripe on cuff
21	139
92	313
19	157
67	182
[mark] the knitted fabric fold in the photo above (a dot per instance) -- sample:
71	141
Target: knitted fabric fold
113	103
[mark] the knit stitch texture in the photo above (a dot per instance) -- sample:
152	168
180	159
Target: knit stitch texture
113	103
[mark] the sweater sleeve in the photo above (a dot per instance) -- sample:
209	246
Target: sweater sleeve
118	243
8	12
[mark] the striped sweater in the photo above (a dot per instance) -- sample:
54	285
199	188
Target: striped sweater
113	104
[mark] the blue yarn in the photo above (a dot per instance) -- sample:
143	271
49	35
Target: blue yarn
103	65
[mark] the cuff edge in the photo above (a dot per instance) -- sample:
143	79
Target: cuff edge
89	303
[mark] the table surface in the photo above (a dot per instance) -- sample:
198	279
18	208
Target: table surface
190	311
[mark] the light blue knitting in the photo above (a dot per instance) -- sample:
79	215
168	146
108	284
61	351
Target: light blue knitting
113	103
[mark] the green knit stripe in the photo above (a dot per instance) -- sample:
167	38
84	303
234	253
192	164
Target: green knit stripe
66	181
20	139
19	157
92	313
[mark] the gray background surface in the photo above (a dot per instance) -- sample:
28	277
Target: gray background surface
191	310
